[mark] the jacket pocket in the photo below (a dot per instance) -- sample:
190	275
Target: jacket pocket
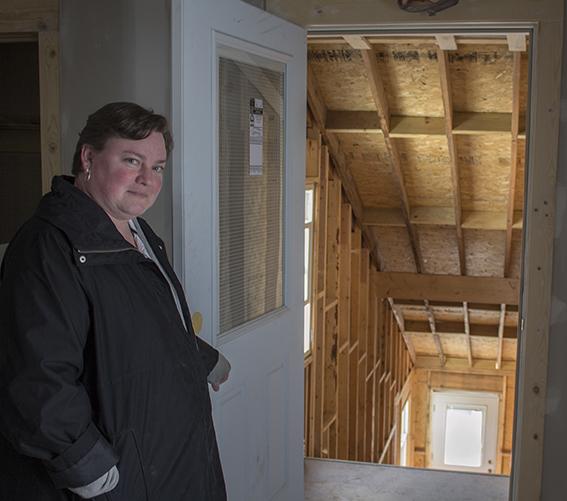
132	483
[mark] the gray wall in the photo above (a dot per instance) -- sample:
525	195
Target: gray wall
555	440
116	50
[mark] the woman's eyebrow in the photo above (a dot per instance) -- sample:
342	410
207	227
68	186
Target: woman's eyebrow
139	155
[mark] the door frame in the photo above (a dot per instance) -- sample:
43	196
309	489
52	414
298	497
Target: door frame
542	134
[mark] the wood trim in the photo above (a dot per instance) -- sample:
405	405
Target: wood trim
488	290
29	16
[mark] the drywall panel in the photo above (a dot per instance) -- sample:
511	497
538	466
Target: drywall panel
115	50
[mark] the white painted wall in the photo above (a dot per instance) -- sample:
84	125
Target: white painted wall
116	50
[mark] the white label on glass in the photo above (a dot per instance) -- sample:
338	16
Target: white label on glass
256	136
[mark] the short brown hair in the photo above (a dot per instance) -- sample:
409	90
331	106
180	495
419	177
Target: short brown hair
122	119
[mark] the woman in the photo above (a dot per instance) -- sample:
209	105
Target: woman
103	383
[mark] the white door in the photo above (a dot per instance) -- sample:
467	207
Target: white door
464	431
239	99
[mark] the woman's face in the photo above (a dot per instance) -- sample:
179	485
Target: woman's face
126	175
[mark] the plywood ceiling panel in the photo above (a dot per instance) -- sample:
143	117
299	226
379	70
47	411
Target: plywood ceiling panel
484	167
485	252
439	250
481	78
394	247
341	77
410	73
369	162
427	170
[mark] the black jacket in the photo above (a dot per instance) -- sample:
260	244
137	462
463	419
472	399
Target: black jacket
96	367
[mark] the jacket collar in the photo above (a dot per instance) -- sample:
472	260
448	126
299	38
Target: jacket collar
83	221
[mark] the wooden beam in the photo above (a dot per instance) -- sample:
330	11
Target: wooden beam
377	39
457	328
461	365
464	123
406	126
357	42
500	335
516	42
319	111
486	290
380	101
353	122
398	315
446	42
433	329
467	332
515	126
467	123
447	95
442	216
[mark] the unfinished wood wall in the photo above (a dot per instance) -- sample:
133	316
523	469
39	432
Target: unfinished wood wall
424	380
358	363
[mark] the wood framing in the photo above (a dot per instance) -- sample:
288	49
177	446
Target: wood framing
359	362
24	20
447	288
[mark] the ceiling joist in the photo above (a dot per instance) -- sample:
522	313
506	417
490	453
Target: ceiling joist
381	103
442	216
466	124
486	290
446	93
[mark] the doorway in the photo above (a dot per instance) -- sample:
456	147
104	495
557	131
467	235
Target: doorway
416	146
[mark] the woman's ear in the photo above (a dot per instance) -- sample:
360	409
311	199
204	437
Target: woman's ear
86	157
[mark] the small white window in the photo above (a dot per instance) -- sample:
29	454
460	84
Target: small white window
464	430
307	271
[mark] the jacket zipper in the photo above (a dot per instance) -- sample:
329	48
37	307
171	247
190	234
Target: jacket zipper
104	251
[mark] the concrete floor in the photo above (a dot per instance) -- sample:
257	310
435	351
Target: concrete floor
329	480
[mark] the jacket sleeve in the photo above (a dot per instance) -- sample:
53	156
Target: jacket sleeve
44	321
209	355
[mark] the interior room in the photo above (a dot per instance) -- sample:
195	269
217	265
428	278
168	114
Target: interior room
414	209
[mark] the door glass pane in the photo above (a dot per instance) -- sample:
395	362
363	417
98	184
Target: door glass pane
306	327
251	182
463	436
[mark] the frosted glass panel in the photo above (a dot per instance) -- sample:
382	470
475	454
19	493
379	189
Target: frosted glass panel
463	436
251	181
